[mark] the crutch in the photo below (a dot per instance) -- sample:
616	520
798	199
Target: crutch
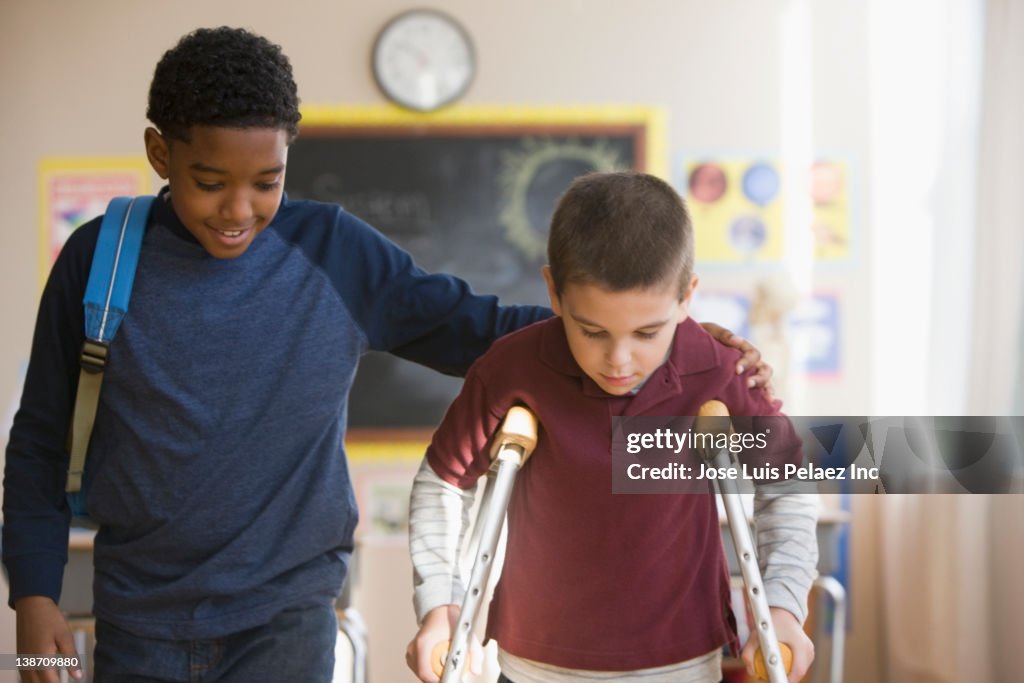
512	445
713	418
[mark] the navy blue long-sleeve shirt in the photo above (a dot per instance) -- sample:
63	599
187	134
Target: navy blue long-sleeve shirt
217	463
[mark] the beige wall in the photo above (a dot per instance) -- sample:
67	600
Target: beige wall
75	77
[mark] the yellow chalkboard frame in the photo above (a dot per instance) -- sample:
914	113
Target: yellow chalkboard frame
650	118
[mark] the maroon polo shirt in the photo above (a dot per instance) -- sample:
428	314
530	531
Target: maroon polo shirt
591	579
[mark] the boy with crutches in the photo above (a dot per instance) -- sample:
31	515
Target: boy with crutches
597	586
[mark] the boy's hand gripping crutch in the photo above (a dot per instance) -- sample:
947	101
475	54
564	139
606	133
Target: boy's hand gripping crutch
713	418
512	445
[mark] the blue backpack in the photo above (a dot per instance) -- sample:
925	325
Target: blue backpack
105	305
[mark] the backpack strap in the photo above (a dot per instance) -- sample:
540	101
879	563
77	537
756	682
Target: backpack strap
106	303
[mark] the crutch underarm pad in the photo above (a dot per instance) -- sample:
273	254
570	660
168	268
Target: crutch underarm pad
712	418
518	429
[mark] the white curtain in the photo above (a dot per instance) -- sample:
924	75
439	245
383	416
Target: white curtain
999	303
949	566
997	373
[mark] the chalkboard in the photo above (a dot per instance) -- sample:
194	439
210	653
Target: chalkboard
472	200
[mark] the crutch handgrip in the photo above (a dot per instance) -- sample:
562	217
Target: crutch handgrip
439	654
518	429
762	671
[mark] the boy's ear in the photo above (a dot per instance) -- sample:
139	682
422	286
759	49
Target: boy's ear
556	305
157	152
684	303
688	294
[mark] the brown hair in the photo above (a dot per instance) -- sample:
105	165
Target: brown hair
621	230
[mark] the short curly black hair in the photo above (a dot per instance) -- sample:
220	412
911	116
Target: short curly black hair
226	77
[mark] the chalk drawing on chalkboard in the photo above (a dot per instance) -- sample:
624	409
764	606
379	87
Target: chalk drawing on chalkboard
535	175
379	207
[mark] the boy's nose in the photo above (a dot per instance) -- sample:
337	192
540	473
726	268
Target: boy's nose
619	354
237	209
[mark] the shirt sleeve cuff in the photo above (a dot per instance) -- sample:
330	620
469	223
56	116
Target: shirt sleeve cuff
433	593
779	594
34	575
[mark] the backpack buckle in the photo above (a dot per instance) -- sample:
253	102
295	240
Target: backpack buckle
94	356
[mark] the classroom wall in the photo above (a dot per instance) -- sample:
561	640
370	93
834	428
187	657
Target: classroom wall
75	78
715	68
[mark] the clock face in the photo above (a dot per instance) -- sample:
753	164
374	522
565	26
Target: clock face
423	60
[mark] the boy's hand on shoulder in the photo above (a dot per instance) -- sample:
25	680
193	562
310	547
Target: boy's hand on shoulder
437	629
761	375
788	631
43	630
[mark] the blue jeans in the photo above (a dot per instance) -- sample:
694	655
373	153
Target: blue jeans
297	645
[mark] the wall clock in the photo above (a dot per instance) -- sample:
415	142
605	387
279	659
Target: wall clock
423	59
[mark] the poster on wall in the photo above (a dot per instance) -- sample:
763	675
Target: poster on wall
738	209
726	308
812	328
73	191
382	471
815	326
384	505
830	215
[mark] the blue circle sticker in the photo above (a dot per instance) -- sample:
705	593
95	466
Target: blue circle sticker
761	183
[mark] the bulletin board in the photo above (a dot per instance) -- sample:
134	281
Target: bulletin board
470	192
74	190
738	207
